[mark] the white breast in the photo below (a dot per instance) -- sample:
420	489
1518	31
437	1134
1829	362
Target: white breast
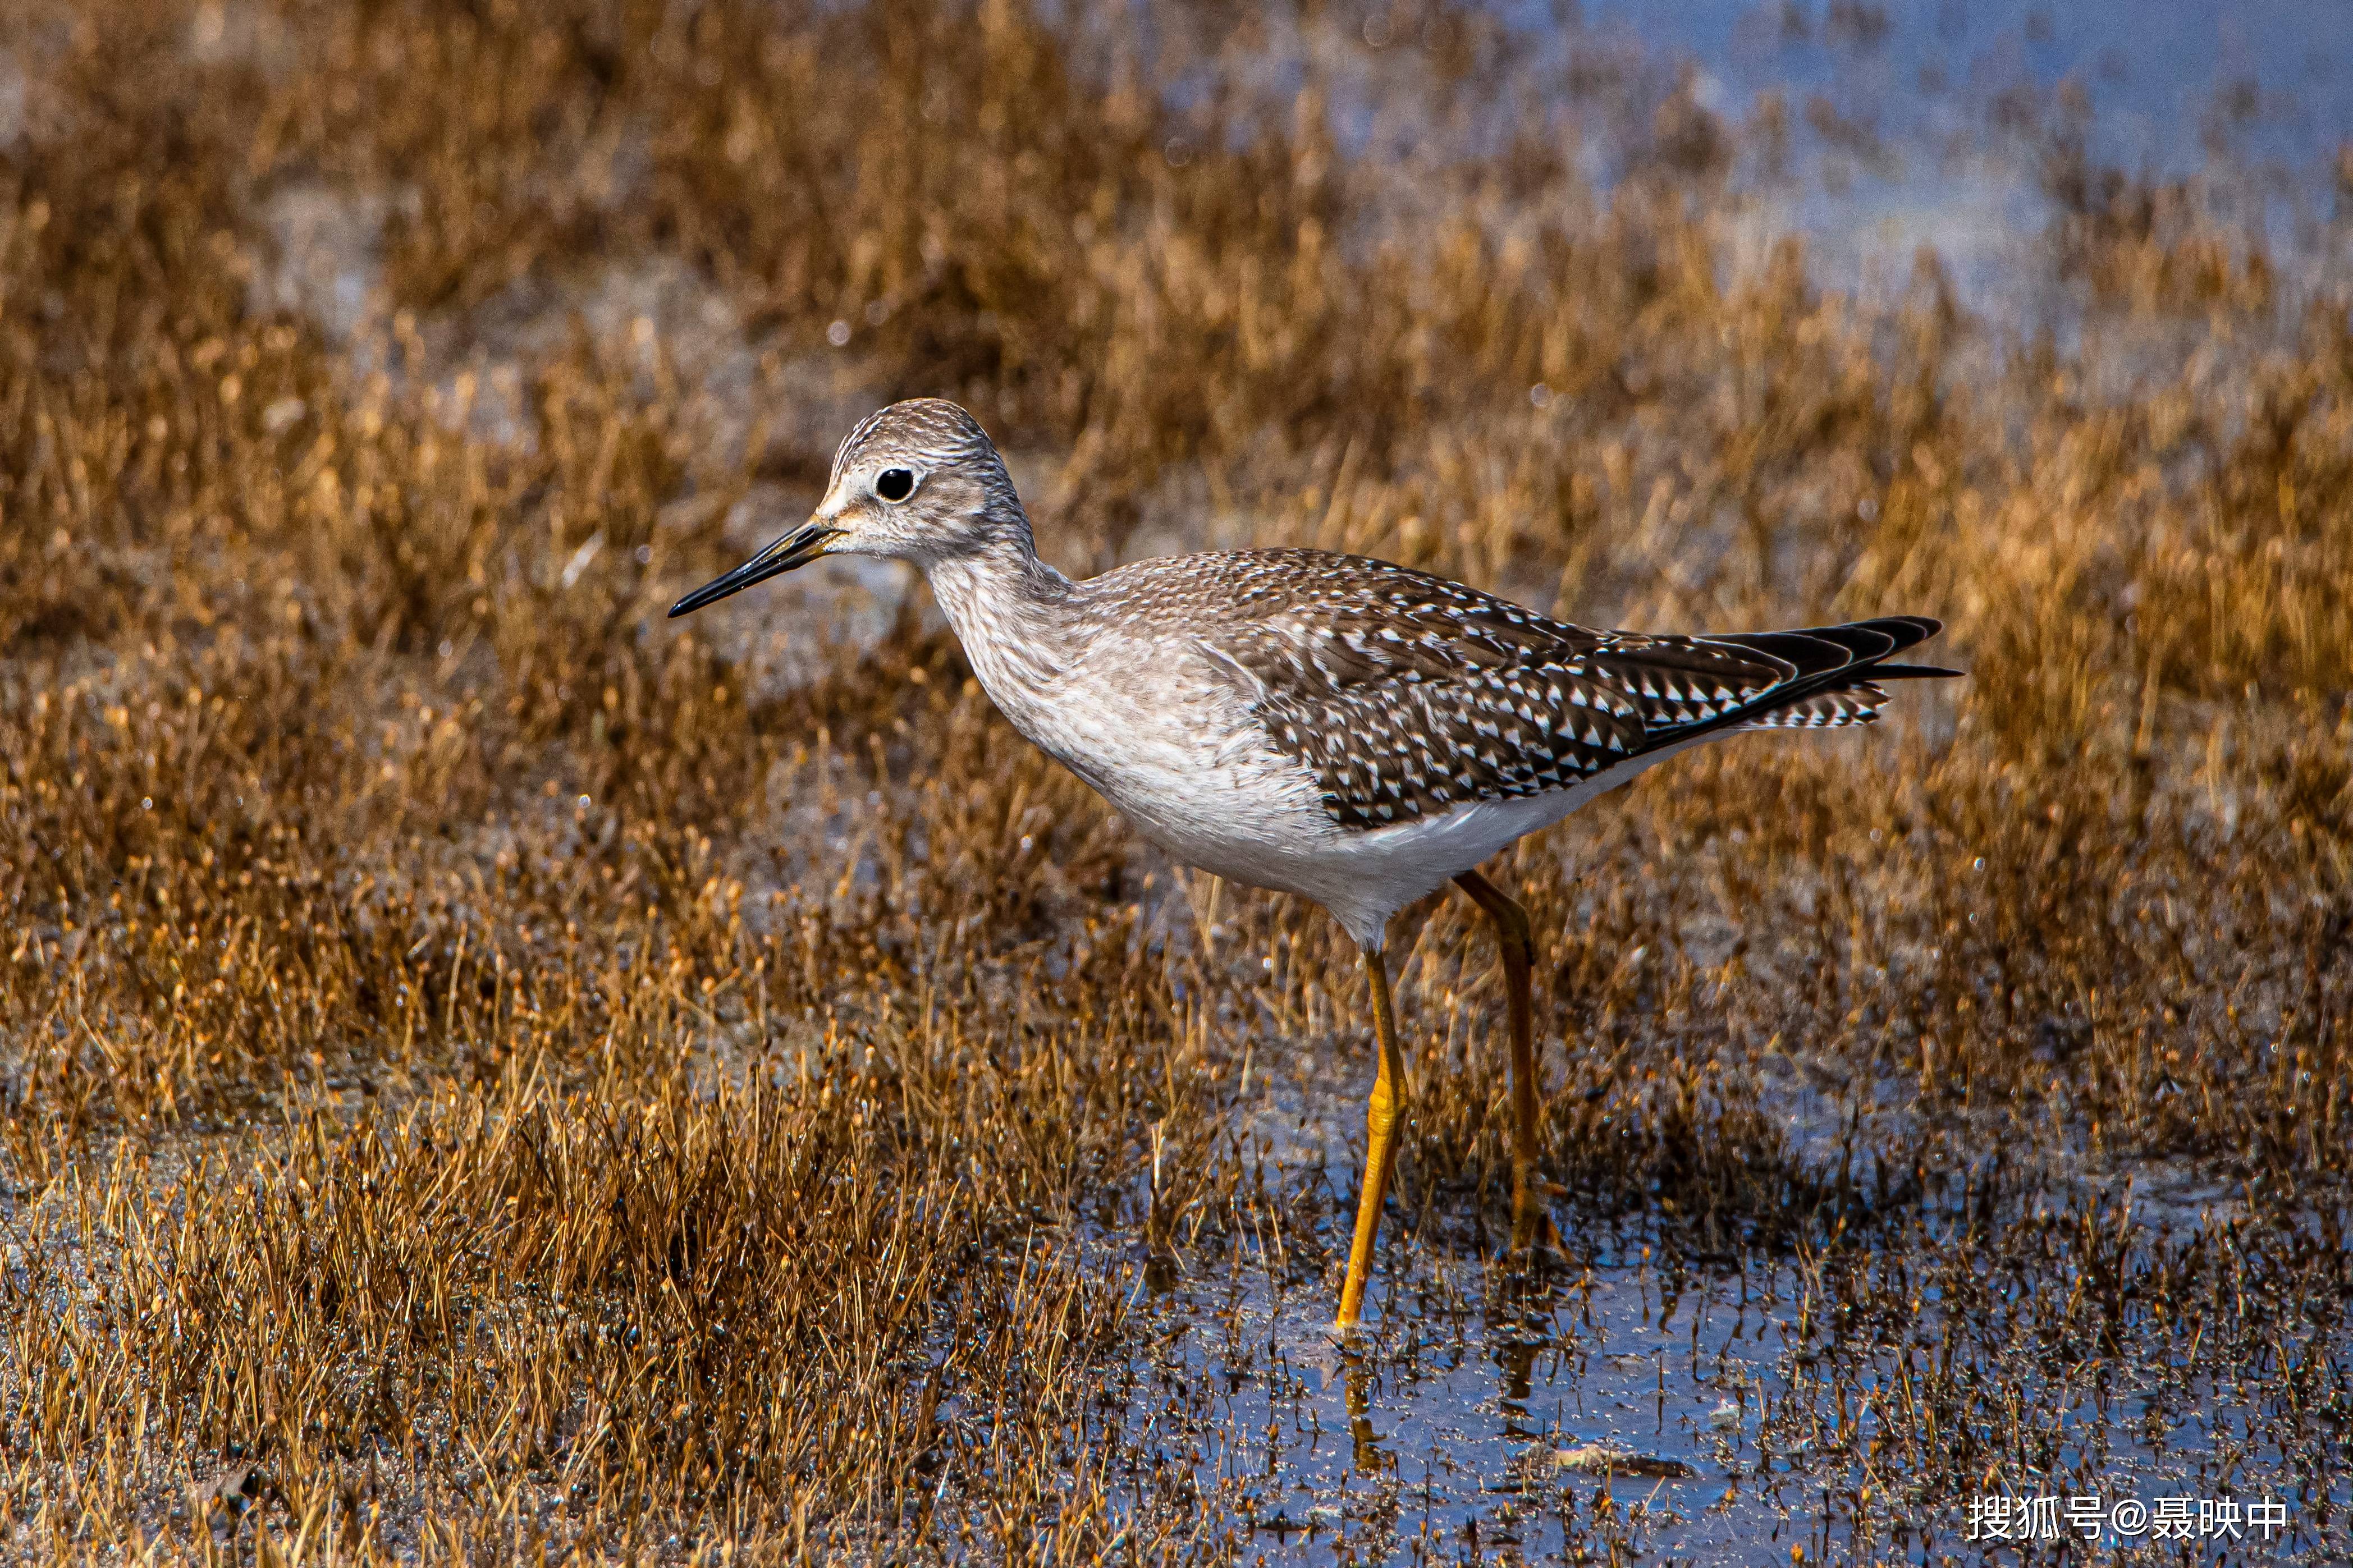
1190	767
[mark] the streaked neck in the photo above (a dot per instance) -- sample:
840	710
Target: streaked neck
1010	610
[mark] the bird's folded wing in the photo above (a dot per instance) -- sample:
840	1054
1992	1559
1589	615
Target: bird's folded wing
1406	694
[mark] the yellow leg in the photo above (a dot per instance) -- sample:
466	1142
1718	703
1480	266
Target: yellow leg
1381	1115
1512	936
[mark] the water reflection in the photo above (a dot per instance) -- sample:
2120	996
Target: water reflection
1633	1405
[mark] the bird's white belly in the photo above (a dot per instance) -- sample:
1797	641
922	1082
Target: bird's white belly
1203	787
1195	772
1217	795
1363	877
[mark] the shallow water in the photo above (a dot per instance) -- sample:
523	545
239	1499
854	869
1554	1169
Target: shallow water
1449	1429
1599	1406
2154	72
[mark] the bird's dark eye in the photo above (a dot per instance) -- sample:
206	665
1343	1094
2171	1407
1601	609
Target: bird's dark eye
894	484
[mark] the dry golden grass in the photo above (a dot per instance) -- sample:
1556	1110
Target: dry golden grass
487	1071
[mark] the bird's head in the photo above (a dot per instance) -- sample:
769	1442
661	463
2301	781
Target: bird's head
917	481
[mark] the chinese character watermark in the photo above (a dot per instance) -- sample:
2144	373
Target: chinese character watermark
2008	1516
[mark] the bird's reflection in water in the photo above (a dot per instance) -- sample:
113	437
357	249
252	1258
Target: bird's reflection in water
1356	1374
1515	1361
1515	1358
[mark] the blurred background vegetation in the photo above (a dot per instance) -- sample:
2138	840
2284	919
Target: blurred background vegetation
488	1071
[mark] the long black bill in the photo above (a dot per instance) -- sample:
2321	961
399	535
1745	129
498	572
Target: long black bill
798	548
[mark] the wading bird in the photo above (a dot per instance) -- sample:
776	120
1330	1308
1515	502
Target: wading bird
1353	732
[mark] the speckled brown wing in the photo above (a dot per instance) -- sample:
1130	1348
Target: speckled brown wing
1406	695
